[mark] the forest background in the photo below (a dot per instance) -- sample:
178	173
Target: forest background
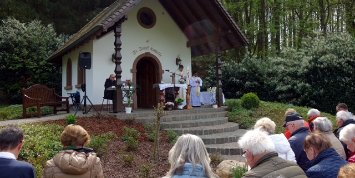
300	52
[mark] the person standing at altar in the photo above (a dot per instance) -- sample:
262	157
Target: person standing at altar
110	82
195	83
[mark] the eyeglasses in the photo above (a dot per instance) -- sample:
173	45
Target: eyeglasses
244	155
287	124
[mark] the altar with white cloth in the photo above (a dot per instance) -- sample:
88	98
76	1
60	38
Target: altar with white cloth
209	98
181	91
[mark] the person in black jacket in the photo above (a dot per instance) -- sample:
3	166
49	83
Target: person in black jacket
111	81
11	142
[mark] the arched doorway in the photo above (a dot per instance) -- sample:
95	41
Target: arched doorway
147	74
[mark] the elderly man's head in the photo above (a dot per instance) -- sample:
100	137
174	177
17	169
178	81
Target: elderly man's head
347	135
312	114
255	144
322	124
341	117
293	122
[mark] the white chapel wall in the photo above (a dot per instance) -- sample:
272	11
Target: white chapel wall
74	56
165	40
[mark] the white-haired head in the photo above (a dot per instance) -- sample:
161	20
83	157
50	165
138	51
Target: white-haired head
347	135
265	124
256	142
322	124
313	113
189	149
343	115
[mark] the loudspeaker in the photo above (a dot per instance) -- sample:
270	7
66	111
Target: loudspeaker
85	60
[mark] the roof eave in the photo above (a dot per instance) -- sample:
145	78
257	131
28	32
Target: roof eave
75	43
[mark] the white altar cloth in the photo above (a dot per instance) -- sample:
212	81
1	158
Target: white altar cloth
182	91
209	98
163	86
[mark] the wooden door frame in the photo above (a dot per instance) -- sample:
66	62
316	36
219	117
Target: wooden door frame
159	73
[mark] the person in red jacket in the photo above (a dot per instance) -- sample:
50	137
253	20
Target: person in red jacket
311	115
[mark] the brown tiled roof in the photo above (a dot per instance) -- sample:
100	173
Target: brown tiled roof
204	22
100	23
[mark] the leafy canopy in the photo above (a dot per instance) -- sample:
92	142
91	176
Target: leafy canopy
24	52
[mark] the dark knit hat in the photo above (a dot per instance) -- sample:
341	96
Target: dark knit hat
292	117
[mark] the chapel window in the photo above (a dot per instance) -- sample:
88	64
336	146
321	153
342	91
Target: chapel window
81	76
146	17
69	75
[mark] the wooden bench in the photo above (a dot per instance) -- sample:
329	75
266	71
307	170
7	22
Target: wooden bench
40	95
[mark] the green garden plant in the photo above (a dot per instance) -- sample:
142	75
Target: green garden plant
130	132
238	171
250	100
42	142
131	144
128	159
11	112
172	136
145	171
71	119
100	142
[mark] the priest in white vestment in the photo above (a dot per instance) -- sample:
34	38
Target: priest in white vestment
195	83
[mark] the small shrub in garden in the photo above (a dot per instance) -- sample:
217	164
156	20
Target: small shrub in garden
47	110
131	144
145	171
250	100
243	117
149	127
238	171
128	159
130	132
151	135
172	136
71	119
100	143
232	104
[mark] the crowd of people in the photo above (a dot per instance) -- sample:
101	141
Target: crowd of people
307	149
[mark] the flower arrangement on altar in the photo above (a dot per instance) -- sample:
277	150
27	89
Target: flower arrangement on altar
179	101
128	90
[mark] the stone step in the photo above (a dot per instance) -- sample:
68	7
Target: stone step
207	130
231	148
194	123
225	137
183	117
149	112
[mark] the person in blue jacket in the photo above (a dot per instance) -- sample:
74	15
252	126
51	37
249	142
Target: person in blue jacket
325	161
11	142
189	158
295	124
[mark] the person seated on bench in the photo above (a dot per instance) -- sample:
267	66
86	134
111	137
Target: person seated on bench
108	94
